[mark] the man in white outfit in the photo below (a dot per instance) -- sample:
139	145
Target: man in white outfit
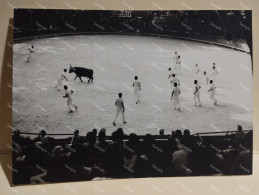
120	109
31	50
137	88
175	80
60	79
214	71
68	95
206	78
197	69
212	91
178	65
175	97
196	94
175	59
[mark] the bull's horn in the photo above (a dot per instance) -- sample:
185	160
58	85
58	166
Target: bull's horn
70	65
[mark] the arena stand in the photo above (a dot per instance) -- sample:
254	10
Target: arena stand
220	28
96	156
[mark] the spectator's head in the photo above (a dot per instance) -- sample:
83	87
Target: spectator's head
17	133
161	132
178	133
173	75
65	70
120	95
57	151
136	78
101	136
32	46
173	133
91	138
204	72
76	132
175	53
196	65
103	129
211	81
65	87
133	139
147	143
195	82
175	84
94	131
117	136
186	132
239	128
169	69
42	133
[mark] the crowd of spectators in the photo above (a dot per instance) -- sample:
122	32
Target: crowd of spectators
96	156
29	22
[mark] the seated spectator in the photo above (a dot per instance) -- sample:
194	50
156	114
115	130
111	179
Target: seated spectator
240	135
76	138
101	143
180	163
178	138
243	164
144	166
130	153
95	131
230	155
113	162
187	137
42	137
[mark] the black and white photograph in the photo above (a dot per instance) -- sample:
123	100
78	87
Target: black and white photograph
113	94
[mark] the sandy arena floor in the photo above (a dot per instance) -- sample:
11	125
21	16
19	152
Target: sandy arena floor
116	60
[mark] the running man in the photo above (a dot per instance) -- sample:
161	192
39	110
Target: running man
206	78
31	50
170	72
60	79
175	80
178	65
212	91
120	109
214	71
175	59
196	93
197	69
137	88
175	96
68	95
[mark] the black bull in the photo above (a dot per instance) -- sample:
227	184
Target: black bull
82	72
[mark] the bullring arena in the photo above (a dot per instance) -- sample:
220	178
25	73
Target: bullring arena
116	60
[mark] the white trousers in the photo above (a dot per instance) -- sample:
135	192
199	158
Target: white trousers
136	92
69	104
196	96
176	102
212	96
122	114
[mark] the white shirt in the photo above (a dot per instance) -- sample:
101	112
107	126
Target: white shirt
206	79
68	93
136	84
176	92
212	88
197	70
62	76
119	103
178	61
175	58
197	86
